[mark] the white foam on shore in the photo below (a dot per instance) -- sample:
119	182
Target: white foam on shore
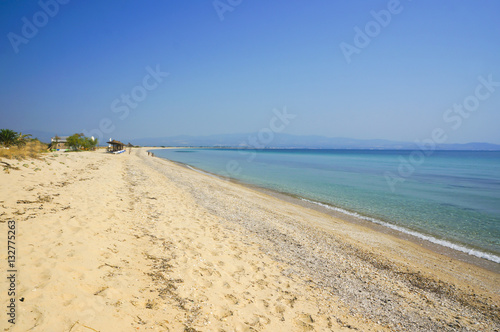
443	243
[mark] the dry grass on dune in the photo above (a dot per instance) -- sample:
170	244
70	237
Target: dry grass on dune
32	149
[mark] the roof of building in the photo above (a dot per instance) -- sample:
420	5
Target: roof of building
60	139
115	142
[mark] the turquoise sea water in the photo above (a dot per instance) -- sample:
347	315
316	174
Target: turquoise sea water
449	197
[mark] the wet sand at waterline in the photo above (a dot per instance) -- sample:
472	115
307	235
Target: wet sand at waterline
132	242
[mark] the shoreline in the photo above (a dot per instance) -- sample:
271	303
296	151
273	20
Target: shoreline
448	251
121	242
417	265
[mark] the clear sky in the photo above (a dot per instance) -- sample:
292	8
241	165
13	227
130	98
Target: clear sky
357	69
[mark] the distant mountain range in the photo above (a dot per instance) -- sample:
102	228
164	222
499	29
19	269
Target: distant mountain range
252	140
299	142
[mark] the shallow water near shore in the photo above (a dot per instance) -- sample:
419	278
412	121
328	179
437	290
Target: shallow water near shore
451	198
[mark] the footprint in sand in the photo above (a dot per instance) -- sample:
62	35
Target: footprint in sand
106	255
71	253
209	272
205	283
239	273
44	278
222	313
67	299
49	253
280	309
304	322
232	298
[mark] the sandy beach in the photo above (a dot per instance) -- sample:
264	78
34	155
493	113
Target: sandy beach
131	242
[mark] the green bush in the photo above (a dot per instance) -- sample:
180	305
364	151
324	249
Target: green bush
81	142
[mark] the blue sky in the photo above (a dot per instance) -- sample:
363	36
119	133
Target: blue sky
227	76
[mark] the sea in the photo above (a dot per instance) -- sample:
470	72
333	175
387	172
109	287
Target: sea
451	198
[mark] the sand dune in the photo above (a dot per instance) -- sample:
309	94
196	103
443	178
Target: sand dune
130	242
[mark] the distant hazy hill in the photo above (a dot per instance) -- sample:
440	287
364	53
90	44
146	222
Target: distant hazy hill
293	141
280	141
43	136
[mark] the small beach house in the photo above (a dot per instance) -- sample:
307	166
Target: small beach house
116	146
59	142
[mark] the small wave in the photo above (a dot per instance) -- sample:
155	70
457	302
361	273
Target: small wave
443	243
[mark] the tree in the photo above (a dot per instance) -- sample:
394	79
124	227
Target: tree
75	141
8	137
79	141
22	140
88	143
